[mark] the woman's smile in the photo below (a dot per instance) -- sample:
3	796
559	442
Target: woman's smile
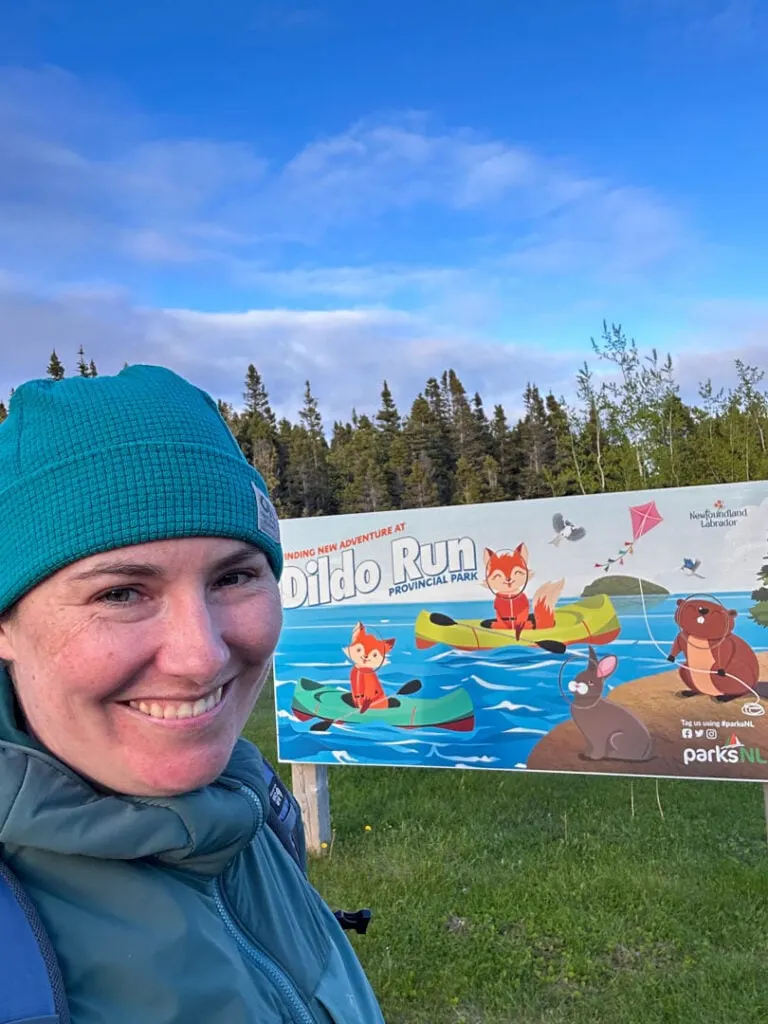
165	711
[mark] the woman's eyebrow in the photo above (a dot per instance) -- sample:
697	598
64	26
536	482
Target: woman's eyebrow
148	569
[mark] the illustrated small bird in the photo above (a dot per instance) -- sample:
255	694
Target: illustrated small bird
689	567
565	529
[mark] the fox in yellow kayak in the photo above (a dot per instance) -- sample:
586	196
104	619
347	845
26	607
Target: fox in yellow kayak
507	576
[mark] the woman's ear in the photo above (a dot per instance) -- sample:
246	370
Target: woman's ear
6	631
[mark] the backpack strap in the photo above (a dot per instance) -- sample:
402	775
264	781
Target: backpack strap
31	985
284	816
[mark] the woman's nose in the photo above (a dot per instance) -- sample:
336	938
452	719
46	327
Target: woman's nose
193	646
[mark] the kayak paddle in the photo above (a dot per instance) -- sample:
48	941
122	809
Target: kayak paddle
412	686
551	646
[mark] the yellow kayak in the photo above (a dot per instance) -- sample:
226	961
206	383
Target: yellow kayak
589	620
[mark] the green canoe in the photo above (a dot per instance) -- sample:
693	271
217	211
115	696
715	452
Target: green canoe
325	702
589	620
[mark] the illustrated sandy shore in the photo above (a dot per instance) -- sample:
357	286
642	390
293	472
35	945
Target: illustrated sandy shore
654	700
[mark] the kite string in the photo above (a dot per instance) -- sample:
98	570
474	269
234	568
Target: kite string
728	675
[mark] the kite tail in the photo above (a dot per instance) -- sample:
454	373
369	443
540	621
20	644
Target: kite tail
628	549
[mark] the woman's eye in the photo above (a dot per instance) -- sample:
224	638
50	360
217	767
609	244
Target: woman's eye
120	592
249	574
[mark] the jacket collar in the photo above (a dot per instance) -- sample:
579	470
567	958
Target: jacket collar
45	804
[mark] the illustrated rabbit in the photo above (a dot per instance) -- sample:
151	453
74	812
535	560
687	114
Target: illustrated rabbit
611	731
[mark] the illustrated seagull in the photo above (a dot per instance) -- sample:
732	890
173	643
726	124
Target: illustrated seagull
565	529
690	565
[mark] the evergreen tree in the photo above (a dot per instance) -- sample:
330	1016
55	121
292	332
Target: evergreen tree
426	478
309	483
429	432
563	474
481	426
505	454
392	452
256	431
55	367
228	414
537	446
469	483
256	398
359	475
388	418
82	366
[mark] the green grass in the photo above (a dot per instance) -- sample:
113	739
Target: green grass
501	898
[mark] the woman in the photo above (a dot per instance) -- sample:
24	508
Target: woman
139	613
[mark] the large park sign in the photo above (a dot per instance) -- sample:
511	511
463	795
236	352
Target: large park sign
620	633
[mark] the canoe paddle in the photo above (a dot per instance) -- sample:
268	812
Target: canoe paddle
412	686
551	646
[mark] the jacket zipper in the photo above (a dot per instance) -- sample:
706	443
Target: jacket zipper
299	1010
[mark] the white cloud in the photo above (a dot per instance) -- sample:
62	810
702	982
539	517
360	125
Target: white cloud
78	183
345	353
725	28
720	330
374	169
732	26
368	284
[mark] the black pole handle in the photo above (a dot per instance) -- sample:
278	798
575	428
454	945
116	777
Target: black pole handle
354	920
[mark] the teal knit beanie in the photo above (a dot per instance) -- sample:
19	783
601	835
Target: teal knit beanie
89	464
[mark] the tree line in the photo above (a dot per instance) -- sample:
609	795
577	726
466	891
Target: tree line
628	431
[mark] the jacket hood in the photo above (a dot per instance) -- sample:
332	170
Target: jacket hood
46	805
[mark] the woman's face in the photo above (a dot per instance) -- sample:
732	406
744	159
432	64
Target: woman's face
139	667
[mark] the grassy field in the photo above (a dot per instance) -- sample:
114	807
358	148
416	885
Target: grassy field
500	898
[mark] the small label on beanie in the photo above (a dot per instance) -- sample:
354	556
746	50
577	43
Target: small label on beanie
266	517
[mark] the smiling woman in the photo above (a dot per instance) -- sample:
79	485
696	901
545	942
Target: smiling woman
139	615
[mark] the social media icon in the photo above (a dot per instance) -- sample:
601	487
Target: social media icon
687	734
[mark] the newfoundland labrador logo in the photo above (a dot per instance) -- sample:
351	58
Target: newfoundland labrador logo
733	752
719	515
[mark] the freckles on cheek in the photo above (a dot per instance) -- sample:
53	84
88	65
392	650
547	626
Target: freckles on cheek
60	634
71	668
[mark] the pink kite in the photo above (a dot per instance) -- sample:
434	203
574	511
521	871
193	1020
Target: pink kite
644	518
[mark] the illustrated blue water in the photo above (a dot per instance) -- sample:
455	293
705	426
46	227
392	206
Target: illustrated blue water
518	693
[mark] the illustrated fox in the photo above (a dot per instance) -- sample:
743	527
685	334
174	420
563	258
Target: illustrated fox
507	577
367	654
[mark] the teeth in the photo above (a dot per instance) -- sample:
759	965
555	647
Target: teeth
177	708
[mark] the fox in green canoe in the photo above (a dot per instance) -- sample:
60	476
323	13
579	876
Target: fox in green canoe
367	654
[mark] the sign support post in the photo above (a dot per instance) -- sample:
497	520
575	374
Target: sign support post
310	787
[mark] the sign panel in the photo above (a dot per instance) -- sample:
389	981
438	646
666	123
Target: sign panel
621	633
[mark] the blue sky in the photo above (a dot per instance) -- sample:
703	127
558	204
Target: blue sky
401	188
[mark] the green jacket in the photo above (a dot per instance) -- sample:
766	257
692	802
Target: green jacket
172	911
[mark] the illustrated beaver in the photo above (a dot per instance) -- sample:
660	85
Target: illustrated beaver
612	732
718	663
